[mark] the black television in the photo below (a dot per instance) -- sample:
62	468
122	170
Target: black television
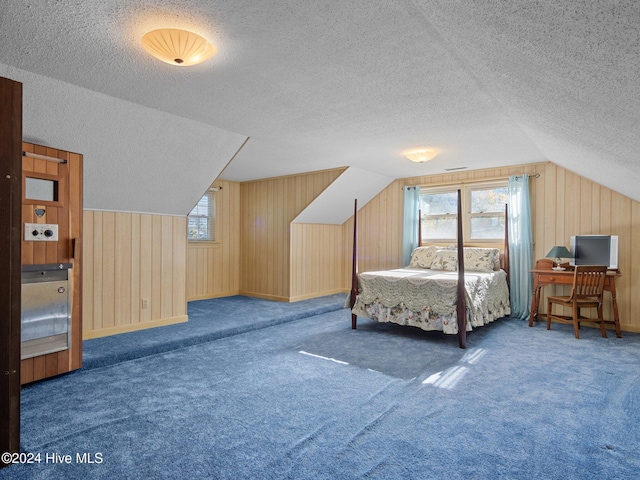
594	250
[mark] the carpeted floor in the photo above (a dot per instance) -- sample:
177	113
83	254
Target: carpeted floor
208	321
311	398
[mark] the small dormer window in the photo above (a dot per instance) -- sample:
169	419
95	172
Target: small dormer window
201	223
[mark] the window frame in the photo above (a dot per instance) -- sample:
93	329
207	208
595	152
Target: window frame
436	190
495	184
467	214
211	218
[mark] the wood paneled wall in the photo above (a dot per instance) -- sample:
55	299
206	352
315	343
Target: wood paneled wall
267	210
213	269
379	234
568	204
261	253
135	271
562	202
317	254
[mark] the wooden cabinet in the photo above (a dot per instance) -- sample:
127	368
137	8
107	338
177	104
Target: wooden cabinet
57	201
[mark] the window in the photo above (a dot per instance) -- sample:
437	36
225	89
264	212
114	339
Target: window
482	210
439	209
486	212
202	219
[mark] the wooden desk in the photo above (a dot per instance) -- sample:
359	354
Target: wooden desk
546	276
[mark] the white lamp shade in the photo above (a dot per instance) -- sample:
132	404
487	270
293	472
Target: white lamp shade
421	155
178	47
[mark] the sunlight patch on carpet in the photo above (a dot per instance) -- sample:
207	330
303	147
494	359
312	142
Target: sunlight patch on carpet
474	355
447	379
324	358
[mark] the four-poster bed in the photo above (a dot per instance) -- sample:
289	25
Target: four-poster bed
451	290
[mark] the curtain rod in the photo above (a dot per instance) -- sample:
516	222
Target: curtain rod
469	181
535	175
43	157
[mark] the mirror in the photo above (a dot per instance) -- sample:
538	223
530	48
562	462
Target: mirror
40	189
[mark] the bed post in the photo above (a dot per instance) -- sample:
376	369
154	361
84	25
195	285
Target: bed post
354	265
461	310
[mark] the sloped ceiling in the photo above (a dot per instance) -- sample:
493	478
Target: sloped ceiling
335	204
135	159
326	84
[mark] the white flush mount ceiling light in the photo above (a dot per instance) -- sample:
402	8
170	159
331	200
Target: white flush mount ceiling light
178	47
421	155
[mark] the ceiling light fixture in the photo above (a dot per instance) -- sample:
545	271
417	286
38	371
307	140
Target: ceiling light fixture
178	47
421	155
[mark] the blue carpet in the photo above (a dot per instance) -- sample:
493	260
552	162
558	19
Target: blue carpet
208	321
313	399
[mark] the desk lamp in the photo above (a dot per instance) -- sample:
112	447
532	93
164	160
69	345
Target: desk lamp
558	253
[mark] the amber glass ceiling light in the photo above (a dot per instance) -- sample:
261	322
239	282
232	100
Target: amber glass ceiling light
178	47
421	155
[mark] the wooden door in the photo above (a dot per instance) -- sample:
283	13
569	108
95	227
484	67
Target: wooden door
10	201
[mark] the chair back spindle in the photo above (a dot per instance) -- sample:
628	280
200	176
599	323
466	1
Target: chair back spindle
589	281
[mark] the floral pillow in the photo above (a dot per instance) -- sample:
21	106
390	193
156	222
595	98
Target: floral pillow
446	260
481	259
475	260
422	257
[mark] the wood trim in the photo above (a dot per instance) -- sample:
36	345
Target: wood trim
163	322
275	298
331	171
315	295
217	295
10	262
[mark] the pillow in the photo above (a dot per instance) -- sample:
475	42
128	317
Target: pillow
481	259
446	260
422	257
476	259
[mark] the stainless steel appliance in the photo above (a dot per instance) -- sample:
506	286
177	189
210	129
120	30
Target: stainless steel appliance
46	316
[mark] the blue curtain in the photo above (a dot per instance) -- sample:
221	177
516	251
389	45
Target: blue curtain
520	246
410	223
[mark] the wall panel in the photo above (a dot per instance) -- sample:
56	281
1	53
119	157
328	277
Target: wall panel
316	260
267	210
213	269
136	272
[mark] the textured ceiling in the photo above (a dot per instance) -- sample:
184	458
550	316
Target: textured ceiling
323	84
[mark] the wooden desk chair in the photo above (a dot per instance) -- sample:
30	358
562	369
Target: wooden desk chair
587	292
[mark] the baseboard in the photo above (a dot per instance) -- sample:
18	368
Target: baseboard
210	296
275	298
315	295
624	327
133	327
629	328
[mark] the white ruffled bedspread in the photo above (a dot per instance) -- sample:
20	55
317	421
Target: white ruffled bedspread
427	298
